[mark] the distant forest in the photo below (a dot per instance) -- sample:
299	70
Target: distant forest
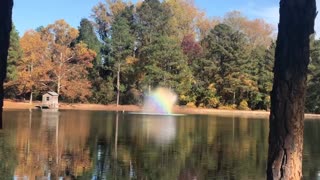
223	62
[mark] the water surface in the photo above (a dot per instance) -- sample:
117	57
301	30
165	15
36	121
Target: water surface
104	145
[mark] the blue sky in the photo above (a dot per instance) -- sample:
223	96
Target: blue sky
34	13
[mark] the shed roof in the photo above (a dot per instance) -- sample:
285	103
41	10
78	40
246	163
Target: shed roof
53	93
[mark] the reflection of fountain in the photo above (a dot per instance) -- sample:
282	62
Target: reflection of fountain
162	129
160	101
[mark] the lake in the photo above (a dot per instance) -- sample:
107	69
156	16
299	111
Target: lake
106	145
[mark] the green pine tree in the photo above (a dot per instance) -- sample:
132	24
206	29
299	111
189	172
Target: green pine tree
161	59
122	46
227	50
313	91
14	55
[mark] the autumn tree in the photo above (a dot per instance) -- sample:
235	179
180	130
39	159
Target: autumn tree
184	16
289	85
258	31
69	61
34	66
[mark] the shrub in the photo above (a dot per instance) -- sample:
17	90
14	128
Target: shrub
191	105
213	102
228	107
243	105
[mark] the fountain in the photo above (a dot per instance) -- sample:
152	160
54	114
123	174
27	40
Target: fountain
159	122
160	102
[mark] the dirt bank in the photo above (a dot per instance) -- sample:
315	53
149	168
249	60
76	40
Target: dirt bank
8	104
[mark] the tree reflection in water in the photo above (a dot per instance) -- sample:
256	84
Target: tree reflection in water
50	147
104	145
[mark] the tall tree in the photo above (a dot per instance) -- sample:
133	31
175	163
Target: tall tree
227	49
257	31
103	15
122	42
288	94
152	21
89	37
161	60
203	90
96	74
70	61
265	65
313	91
5	29
184	17
14	54
34	66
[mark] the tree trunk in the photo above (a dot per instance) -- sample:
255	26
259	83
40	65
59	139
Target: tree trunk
289	85
31	95
118	85
58	85
5	28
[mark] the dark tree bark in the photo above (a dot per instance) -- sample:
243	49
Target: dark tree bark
5	28
289	85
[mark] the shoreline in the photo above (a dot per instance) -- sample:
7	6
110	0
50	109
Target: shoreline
12	105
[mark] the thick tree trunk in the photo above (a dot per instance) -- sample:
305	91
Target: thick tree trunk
5	28
288	93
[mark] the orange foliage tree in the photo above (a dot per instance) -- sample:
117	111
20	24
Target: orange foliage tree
70	62
34	65
258	31
52	61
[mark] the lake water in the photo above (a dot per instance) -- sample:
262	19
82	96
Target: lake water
104	145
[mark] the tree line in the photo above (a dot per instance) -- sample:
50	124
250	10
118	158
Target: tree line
124	50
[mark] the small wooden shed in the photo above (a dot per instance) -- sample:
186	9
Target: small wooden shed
50	100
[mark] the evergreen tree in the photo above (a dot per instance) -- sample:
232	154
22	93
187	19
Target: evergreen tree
202	92
89	37
97	74
14	55
313	91
227	50
265	77
161	60
152	21
122	45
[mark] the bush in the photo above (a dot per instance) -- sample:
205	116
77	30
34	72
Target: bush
191	105
213	102
243	105
228	107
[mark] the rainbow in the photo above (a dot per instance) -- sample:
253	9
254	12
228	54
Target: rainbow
160	101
